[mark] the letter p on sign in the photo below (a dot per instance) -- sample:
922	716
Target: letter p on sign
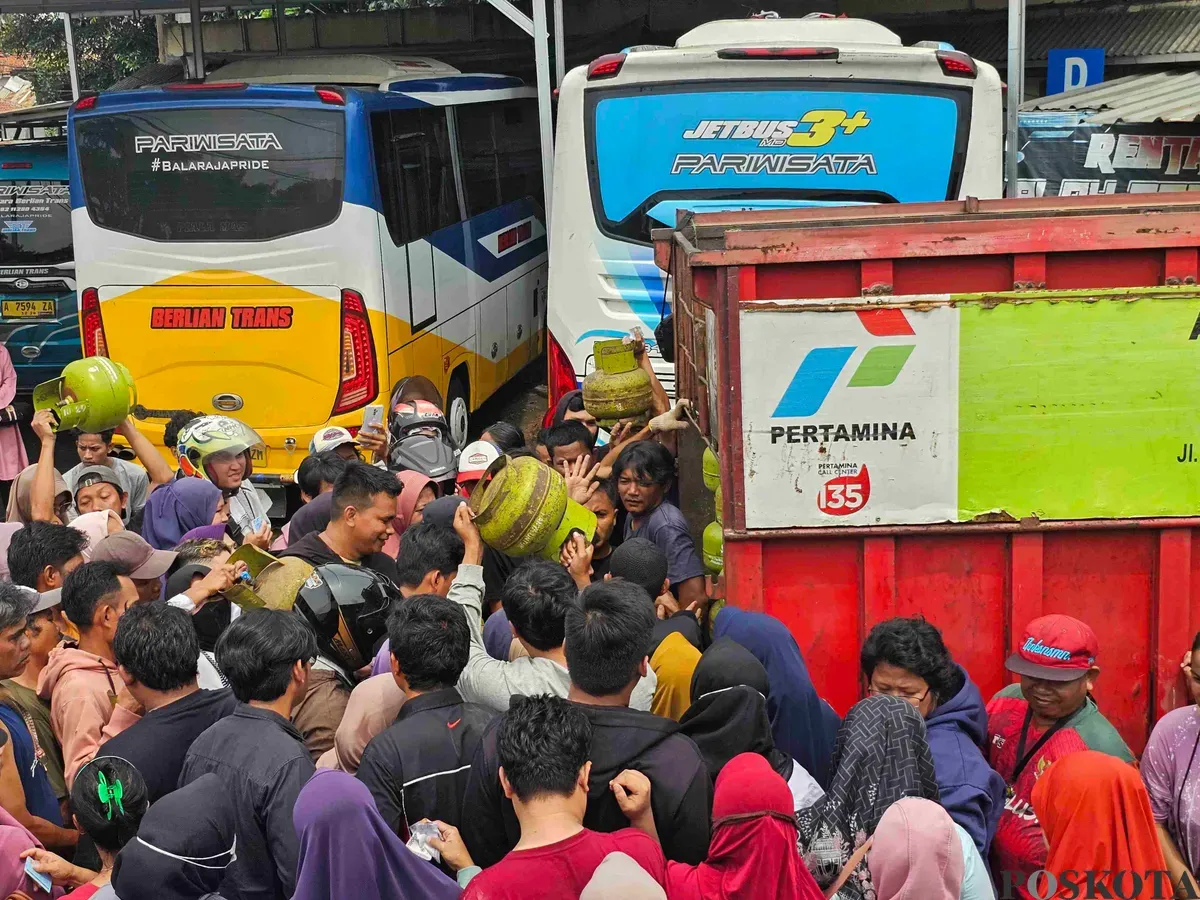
1068	70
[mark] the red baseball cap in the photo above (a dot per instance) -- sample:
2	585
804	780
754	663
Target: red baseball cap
1056	648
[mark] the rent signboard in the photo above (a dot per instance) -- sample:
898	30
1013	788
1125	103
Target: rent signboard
1064	156
959	408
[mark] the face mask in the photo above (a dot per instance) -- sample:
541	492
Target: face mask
198	861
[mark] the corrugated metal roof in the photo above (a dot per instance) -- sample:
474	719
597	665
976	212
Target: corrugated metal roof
1127	31
1155	97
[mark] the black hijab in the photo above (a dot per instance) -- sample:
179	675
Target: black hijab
728	714
196	822
881	756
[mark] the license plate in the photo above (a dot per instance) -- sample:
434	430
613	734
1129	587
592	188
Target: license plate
27	309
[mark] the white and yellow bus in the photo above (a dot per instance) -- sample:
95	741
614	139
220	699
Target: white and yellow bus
287	240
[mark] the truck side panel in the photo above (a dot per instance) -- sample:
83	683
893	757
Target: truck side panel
1136	581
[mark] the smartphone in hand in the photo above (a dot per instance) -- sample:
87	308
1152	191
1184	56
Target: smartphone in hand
373	417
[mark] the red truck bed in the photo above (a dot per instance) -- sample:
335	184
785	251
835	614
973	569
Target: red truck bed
1003	546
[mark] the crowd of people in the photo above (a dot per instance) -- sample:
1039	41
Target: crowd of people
390	708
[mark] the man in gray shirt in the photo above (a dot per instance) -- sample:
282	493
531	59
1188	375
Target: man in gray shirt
536	599
96	449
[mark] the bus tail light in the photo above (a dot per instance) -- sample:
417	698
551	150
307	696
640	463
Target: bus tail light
92	324
560	375
778	53
359	383
86	102
607	66
955	62
332	96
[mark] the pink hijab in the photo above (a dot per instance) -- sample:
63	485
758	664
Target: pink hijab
412	483
95	526
916	853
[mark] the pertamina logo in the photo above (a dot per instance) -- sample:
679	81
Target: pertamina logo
821	366
849	490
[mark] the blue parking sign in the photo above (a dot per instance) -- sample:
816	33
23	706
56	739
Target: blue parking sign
1067	70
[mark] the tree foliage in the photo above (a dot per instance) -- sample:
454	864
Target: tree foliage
107	48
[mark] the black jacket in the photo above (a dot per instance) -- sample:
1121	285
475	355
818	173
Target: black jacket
316	552
261	761
622	738
417	768
158	743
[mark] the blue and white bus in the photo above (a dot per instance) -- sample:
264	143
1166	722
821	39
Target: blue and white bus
757	113
287	240
38	319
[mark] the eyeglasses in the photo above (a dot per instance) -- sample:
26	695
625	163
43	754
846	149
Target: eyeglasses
914	699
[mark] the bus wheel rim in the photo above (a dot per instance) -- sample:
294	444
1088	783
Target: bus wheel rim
459	420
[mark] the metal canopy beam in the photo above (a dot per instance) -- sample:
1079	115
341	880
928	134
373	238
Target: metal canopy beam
71	67
122	7
537	29
514	15
197	64
1016	92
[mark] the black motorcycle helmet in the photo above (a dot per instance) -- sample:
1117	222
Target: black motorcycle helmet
420	441
347	606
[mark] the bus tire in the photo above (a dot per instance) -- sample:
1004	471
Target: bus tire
458	408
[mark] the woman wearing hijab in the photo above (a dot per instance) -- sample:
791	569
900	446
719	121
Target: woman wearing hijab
183	846
919	853
881	756
804	725
752	853
96	526
1096	816
179	506
20	498
416	492
729	716
348	851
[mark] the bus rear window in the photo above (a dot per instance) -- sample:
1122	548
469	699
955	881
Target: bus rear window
654	146
35	223
213	174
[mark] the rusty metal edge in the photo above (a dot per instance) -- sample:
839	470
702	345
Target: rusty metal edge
958	528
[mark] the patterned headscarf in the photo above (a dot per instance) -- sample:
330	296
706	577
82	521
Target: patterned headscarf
881	756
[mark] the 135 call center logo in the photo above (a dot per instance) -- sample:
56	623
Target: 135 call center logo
815	128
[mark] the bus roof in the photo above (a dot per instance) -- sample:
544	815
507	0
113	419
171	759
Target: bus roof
808	30
331	68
